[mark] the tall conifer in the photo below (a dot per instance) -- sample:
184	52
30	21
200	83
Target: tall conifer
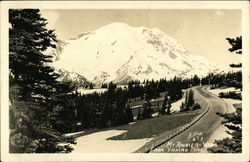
37	110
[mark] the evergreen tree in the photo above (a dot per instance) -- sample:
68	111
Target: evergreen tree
235	65
175	89
91	86
164	105
128	114
112	86
139	115
168	106
146	111
236	44
196	80
104	85
233	121
205	81
28	38
158	108
37	107
185	105
190	101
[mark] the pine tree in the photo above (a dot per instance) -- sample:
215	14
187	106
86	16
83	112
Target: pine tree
233	121
104	85
39	96
128	114
158	108
236	44
28	38
185	105
139	115
190	101
168	106
164	105
147	110
196	80
91	86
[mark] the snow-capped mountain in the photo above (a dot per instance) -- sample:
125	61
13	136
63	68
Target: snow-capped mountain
76	79
118	52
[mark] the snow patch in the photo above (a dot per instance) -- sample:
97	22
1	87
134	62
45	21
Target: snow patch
125	53
220	132
218	91
89	91
98	143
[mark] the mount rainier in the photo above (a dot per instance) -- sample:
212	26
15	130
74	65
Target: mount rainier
120	53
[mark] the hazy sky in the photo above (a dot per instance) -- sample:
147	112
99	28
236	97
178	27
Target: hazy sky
201	31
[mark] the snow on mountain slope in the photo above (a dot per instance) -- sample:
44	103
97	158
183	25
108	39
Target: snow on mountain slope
76	79
118	52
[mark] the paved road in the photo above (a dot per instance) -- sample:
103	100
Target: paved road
193	139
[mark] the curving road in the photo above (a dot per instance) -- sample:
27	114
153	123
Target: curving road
193	139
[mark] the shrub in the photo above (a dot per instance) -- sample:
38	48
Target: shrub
196	106
146	111
213	87
230	94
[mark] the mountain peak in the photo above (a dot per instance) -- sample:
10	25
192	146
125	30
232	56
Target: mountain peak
116	26
125	53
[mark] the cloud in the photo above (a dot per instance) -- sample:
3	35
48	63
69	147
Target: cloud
51	16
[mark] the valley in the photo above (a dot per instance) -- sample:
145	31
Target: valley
156	131
137	88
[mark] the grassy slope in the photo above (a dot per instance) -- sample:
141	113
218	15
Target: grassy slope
160	127
157	128
151	127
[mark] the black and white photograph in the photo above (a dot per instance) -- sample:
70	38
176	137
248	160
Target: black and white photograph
152	79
